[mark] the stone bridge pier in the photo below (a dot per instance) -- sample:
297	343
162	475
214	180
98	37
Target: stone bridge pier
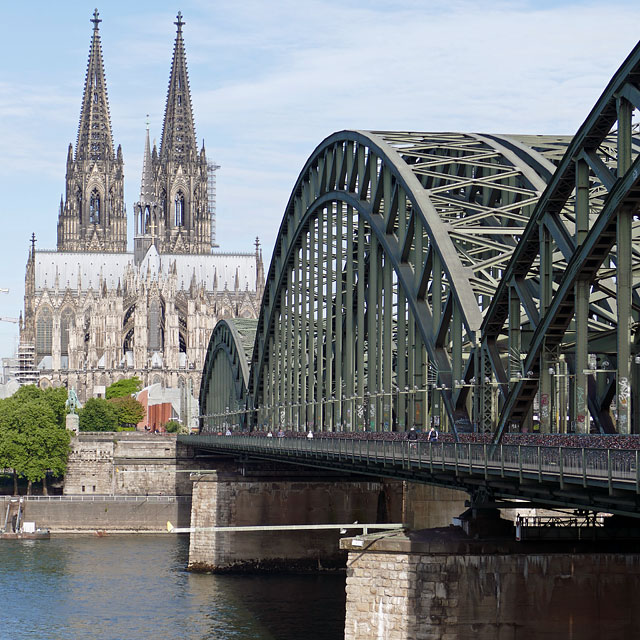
441	584
262	493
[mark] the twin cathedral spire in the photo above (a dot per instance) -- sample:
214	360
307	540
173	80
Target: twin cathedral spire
173	210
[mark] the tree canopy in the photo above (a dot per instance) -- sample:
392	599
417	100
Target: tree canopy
98	415
128	410
172	426
33	438
126	387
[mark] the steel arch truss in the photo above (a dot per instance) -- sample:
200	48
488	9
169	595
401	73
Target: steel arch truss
223	389
577	268
390	251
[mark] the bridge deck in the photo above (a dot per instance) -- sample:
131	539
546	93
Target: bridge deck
605	480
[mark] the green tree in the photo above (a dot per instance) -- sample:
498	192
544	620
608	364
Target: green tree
126	387
173	426
98	415
128	410
26	393
6	459
32	441
56	399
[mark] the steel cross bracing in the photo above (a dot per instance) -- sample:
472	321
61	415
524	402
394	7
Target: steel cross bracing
223	388
389	253
421	278
576	268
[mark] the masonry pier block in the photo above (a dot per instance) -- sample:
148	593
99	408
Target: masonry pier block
246	495
427	506
441	584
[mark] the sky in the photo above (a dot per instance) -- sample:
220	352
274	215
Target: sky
270	80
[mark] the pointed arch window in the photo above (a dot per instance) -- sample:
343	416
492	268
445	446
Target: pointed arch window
44	332
67	320
155	326
109	213
79	204
94	207
179	209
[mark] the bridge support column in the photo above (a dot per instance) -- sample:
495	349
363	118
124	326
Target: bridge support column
426	506
268	495
440	584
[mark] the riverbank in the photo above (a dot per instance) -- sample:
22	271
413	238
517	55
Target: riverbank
104	514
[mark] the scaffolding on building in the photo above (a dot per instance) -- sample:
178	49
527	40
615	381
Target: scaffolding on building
212	167
27	372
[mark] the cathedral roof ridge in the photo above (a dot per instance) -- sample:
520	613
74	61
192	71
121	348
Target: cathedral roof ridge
90	254
213	254
248	254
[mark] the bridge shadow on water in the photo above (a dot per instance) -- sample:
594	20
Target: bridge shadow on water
272	607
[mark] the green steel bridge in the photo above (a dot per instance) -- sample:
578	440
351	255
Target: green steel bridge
475	282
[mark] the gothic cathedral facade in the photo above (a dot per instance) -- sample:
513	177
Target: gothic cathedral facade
94	312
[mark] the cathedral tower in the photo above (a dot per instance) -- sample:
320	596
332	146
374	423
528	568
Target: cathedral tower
147	212
184	223
93	216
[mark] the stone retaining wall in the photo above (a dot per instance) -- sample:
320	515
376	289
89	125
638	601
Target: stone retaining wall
128	463
108	515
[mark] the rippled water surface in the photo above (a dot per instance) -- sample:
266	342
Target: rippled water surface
134	587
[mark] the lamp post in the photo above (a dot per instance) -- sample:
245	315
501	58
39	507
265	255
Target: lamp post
559	409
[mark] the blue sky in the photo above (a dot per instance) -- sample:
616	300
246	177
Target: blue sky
270	80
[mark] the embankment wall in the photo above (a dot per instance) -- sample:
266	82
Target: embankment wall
128	464
62	514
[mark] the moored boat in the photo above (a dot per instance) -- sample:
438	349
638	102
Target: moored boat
16	528
38	534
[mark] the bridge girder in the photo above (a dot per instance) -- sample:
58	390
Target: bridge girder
225	376
589	295
377	224
422	275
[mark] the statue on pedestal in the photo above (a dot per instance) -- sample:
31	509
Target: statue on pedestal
72	401
73	420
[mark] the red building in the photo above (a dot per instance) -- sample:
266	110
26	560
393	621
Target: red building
160	406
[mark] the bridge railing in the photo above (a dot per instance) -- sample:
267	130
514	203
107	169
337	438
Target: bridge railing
563	464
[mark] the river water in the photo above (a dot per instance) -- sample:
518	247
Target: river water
136	587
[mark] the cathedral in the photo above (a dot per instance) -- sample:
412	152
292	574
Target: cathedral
94	312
